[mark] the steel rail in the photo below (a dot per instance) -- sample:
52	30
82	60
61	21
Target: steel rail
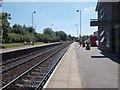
3	71
32	53
43	81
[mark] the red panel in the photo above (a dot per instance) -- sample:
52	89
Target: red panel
93	40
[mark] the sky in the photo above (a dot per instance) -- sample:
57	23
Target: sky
60	16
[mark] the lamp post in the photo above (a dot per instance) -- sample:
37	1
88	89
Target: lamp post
33	26
80	21
56	28
77	29
32	18
56	31
51	26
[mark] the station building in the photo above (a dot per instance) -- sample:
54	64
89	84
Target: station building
108	23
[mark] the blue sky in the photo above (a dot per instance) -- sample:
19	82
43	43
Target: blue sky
62	15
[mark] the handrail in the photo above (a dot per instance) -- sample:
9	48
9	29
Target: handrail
98	20
93	19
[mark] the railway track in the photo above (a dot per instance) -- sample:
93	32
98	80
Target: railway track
9	61
36	71
14	69
13	63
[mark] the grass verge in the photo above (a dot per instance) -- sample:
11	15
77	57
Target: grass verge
10	45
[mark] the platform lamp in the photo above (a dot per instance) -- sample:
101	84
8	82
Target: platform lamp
33	18
80	20
32	24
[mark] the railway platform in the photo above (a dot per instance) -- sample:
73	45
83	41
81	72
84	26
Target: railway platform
66	74
24	47
78	68
81	68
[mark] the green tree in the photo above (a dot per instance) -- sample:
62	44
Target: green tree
70	37
19	33
31	30
48	31
62	35
50	34
4	17
57	38
13	37
18	29
39	37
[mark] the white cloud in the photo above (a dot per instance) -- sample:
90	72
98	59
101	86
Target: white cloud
89	10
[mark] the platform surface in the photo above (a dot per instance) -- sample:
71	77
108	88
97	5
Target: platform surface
66	74
23	47
81	68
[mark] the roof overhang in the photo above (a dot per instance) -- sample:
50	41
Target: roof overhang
98	4
100	1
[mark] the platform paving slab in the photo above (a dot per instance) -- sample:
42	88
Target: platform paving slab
67	73
96	69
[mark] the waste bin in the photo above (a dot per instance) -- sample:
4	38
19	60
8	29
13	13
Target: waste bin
88	47
83	44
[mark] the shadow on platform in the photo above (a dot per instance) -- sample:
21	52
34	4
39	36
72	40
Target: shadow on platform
98	57
111	56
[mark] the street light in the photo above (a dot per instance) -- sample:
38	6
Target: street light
80	21
32	18
51	26
77	29
33	26
56	30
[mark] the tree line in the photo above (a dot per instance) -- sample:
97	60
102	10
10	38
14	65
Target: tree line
20	33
